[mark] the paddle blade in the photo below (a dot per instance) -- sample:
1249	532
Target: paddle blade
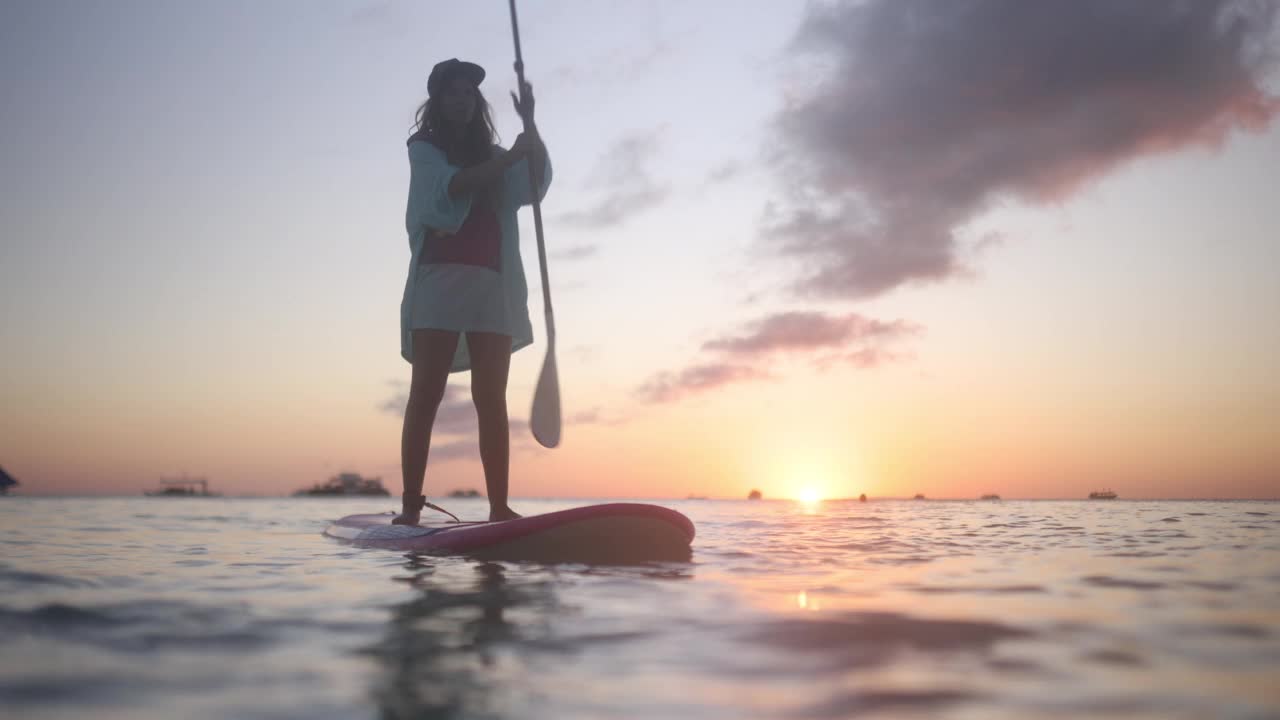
545	419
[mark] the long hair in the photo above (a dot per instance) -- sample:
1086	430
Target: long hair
462	147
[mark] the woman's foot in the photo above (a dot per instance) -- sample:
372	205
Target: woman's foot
502	513
411	510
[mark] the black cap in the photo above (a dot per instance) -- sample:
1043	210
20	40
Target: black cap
451	68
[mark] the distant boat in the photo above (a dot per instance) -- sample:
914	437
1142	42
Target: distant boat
754	495
990	496
862	497
919	496
468	493
7	481
1102	495
346	484
182	487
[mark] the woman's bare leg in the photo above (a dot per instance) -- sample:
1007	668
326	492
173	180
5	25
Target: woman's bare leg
432	355
490	365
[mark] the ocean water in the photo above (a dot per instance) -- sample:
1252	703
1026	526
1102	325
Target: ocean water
239	608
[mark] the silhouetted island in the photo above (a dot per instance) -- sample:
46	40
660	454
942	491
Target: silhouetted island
468	493
754	495
346	484
182	487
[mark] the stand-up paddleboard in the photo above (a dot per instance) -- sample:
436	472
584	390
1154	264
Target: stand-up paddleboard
610	533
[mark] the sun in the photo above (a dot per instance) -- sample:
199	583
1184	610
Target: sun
809	496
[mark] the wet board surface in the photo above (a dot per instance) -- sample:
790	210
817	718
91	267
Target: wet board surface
608	533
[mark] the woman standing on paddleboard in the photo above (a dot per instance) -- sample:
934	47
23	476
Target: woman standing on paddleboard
465	303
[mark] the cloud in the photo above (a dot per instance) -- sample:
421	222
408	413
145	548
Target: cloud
851	340
597	416
448	445
918	115
455	416
726	171
807	331
585	417
576	252
519	428
622	177
453	450
866	358
397	402
379	14
619	67
668	387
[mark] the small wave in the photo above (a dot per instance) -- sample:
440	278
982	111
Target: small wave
203	518
142	627
733	554
1250	632
86	691
1114	657
53	615
879	632
576	643
1207	585
1136	554
872	547
1110	582
978	589
23	578
1015	665
905	560
860	520
851	704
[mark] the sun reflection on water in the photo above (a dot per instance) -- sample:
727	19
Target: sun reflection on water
804	602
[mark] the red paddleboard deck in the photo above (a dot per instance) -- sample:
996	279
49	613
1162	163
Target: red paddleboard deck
610	533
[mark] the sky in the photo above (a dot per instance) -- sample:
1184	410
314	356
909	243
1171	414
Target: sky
885	247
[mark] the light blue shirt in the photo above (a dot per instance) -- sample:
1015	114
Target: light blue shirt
431	207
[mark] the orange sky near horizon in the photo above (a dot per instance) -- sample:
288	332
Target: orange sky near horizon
209	283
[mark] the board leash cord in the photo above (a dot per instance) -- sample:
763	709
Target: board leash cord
440	509
422	503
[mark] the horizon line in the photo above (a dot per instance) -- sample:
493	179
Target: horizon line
649	498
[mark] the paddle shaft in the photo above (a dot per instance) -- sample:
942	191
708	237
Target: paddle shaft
533	187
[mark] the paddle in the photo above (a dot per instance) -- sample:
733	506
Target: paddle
544	420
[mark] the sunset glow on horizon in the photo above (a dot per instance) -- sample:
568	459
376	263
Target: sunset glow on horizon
772	267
